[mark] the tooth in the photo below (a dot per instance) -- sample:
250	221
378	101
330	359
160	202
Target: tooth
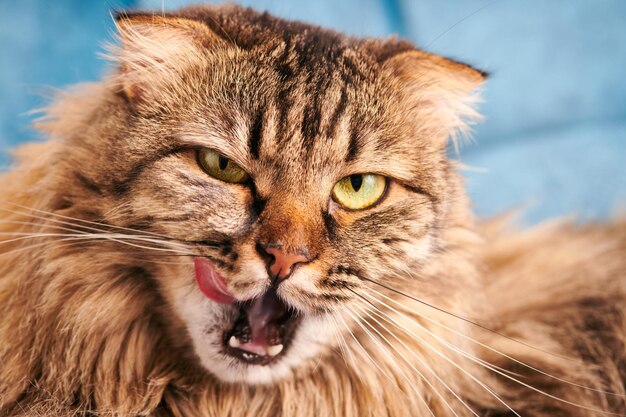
234	342
274	350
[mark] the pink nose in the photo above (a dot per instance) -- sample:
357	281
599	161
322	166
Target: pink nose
283	263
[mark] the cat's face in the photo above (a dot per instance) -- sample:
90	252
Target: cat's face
285	174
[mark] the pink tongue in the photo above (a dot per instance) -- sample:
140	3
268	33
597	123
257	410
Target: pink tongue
262	314
211	283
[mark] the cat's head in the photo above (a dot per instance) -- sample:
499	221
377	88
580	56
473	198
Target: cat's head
276	168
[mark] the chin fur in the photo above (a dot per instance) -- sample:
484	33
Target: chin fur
207	321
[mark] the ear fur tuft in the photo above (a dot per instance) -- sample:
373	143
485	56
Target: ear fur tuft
154	48
439	87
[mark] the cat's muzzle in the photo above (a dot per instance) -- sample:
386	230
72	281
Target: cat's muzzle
264	326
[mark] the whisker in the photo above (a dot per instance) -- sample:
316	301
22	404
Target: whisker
47	220
458	23
57	215
94	236
76	232
423	364
81	228
357	320
77	240
472	322
171	244
26	236
320	356
486	365
159	262
169	240
378	367
41	225
519	362
73	240
341	342
443	356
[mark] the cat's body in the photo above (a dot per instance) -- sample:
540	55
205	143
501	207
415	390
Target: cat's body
100	320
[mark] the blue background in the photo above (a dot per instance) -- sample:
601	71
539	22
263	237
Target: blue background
554	138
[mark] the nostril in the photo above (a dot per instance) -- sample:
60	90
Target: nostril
260	248
283	263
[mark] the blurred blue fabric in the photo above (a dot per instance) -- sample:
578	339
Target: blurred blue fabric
554	138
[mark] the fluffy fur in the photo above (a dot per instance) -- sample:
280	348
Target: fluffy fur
411	308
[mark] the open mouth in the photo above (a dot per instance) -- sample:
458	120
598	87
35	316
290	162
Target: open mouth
264	327
263	330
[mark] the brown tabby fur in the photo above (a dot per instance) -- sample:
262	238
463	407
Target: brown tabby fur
89	328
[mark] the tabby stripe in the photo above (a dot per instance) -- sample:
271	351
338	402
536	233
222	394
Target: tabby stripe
312	115
353	146
122	187
339	110
88	183
418	190
331	225
283	67
256	135
257	206
283	103
351	72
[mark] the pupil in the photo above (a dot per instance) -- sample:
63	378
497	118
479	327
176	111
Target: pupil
223	163
356	181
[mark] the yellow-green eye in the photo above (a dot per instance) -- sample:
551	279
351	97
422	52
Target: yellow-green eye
220	167
359	191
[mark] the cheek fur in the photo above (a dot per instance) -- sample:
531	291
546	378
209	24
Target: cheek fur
397	234
187	203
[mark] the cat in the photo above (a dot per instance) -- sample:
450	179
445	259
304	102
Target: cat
257	217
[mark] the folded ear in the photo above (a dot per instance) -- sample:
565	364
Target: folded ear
443	91
156	48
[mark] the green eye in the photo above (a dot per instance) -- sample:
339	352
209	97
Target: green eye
220	167
359	191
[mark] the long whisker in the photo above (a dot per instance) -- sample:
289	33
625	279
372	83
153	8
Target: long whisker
505	375
357	318
72	241
519	362
94	236
472	322
137	235
341	342
158	262
169	241
42	225
48	219
82	235
423	364
57	215
37	245
378	367
75	232
443	356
